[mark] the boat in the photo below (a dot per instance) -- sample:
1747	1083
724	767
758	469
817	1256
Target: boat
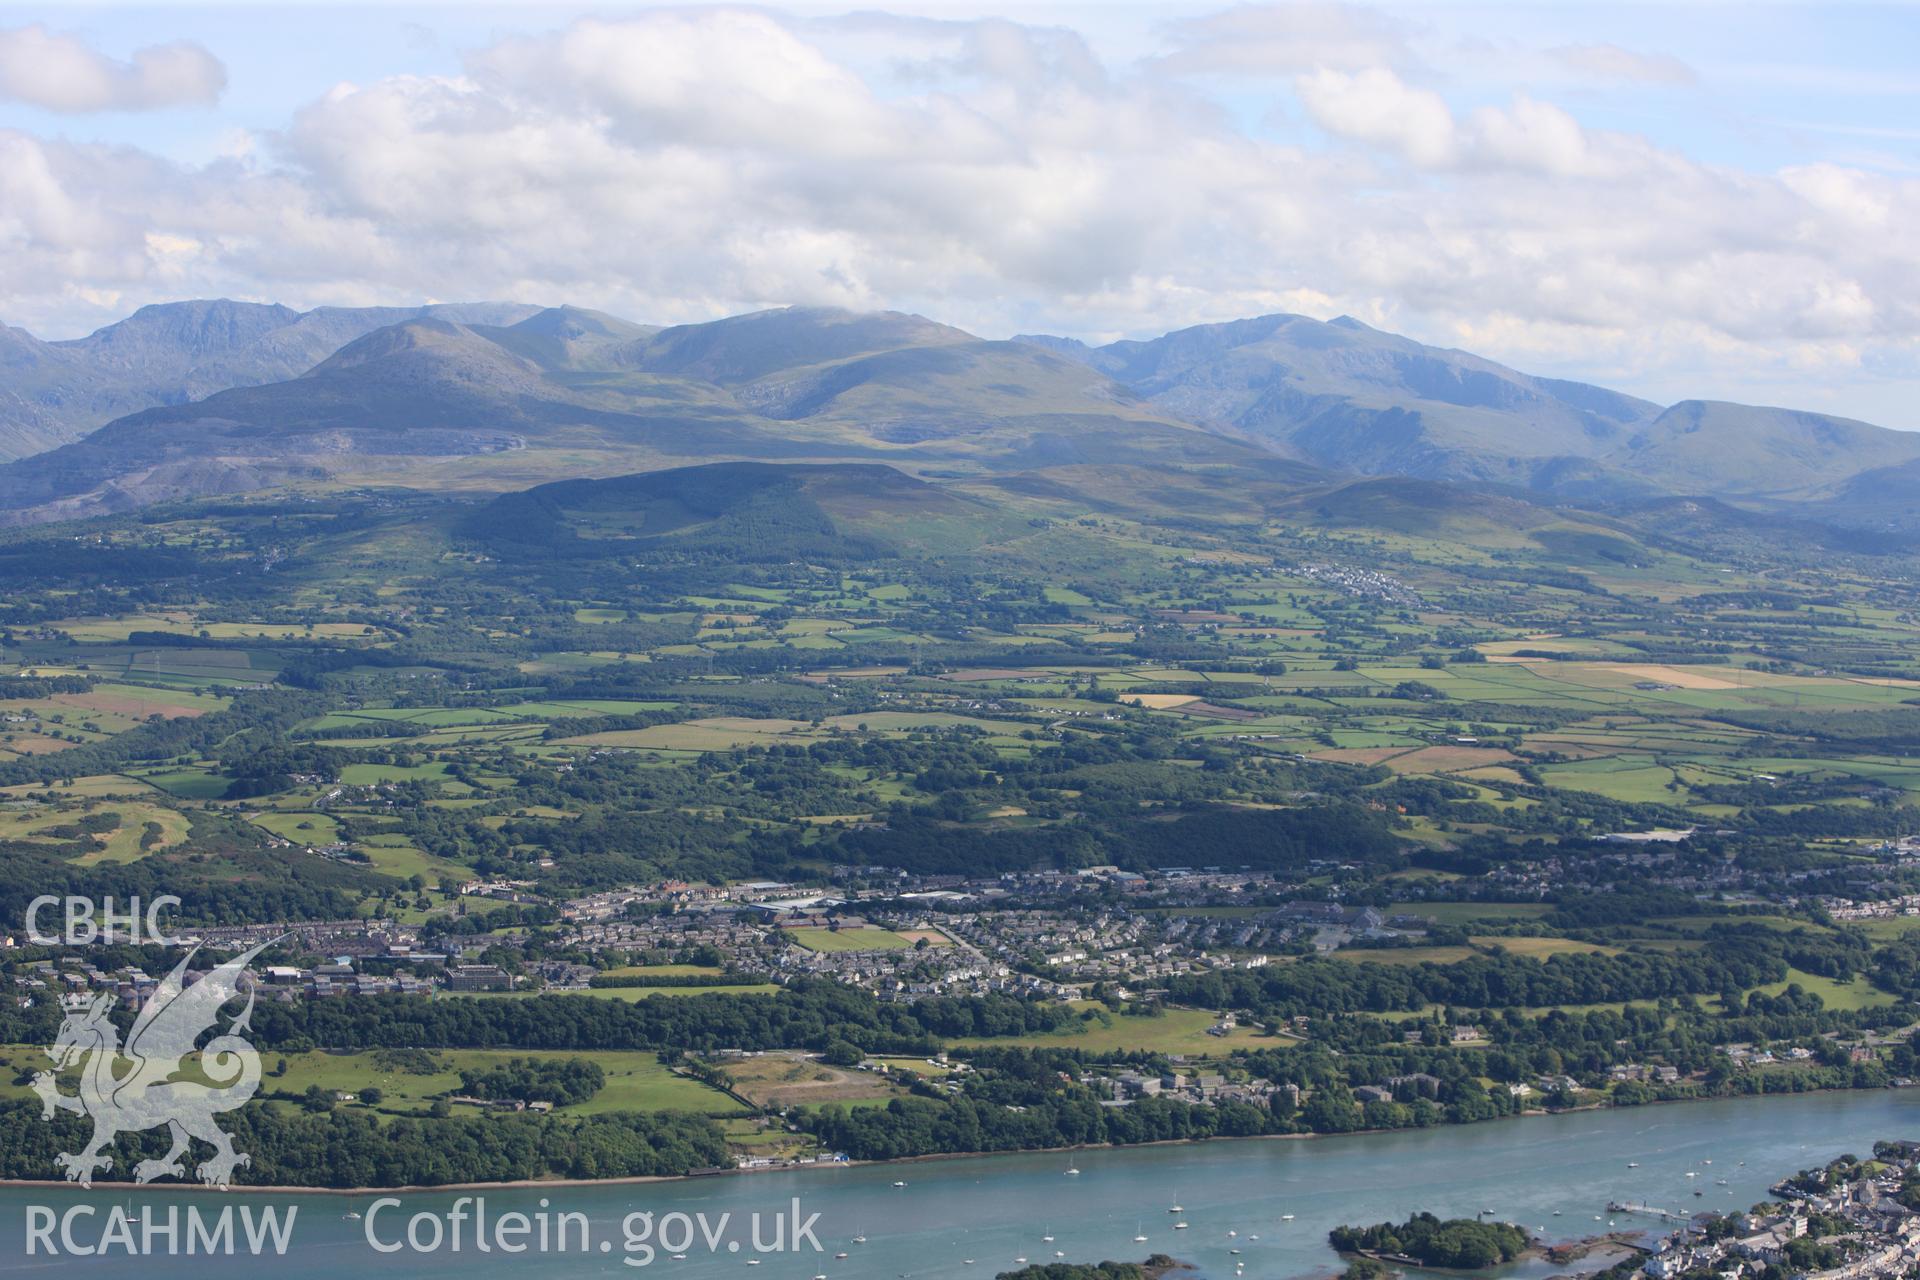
1633	1164
351	1215
1046	1239
838	1256
1556	1213
1139	1236
1021	1260
859	1239
753	1262
1073	1173
1233	1251
1286	1217
1179	1226
899	1184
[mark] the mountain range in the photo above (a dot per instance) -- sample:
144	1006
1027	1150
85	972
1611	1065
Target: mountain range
1352	398
52	393
197	398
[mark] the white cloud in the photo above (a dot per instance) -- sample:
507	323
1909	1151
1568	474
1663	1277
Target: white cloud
679	165
1280	39
1375	106
62	73
1539	136
1380	109
1611	62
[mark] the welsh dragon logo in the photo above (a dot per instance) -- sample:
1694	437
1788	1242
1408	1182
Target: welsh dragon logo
147	1094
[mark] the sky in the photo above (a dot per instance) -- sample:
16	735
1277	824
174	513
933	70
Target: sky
1711	200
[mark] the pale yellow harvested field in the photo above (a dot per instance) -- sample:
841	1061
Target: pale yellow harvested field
1358	755
1158	701
120	704
1491	773
32	744
719	734
1448	759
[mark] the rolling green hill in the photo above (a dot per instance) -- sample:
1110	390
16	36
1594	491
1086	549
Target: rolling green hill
749	512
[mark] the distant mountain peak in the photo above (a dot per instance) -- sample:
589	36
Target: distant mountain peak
171	353
168	334
570	338
409	335
572	320
748	347
1072	347
429	352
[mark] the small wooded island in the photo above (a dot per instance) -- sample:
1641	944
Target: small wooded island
1428	1241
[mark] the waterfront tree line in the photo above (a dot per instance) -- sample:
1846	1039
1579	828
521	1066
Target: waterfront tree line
1323	985
354	1148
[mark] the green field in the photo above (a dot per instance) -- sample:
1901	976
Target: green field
635	1081
848	940
1174	1031
1857	994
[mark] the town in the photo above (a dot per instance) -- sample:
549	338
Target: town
1853	1219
